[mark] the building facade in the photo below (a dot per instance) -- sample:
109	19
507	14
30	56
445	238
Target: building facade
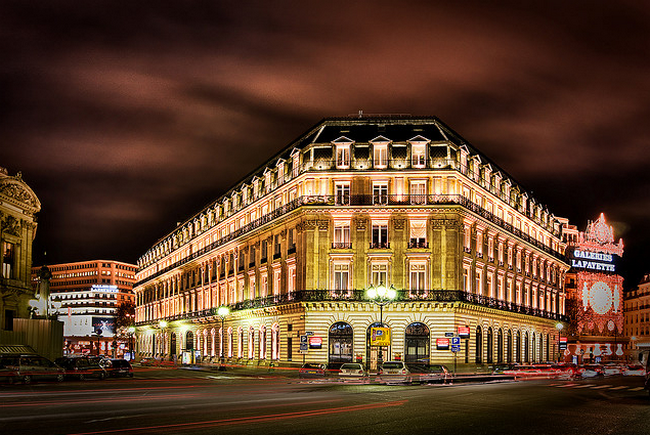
594	294
637	317
85	296
351	204
18	208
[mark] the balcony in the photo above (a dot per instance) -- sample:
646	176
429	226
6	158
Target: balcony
418	244
342	245
379	245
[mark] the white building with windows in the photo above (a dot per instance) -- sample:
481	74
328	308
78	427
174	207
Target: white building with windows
355	203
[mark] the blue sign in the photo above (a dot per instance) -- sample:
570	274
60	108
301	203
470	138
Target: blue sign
455	341
455	347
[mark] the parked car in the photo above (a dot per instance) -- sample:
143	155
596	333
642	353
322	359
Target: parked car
353	371
8	375
82	367
634	370
428	373
392	372
28	368
118	367
312	370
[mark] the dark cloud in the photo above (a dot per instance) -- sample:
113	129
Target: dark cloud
126	117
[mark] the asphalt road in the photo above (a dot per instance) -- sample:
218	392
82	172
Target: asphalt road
194	402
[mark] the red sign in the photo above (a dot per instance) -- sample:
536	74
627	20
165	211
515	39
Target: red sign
315	342
442	343
463	331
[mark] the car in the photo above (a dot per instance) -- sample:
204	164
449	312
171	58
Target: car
429	373
8	375
498	369
590	371
312	370
566	370
532	371
82	367
634	370
353	371
612	369
392	372
117	367
28	368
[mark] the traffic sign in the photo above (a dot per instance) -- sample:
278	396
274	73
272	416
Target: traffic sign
303	340
449	334
455	341
455	347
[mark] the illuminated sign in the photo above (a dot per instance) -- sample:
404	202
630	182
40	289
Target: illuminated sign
104	288
463	331
442	343
379	336
104	326
593	261
315	342
563	343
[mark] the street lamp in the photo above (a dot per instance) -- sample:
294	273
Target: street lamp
162	325
222	312
559	326
381	295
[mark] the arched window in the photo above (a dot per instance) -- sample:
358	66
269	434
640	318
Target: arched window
548	347
230	344
189	340
534	347
526	348
172	344
479	346
240	342
518	347
213	342
509	347
262	342
417	342
251	342
275	341
340	343
490	346
500	345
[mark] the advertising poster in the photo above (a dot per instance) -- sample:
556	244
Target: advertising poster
379	336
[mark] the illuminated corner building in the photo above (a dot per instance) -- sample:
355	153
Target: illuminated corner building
85	297
594	294
354	203
637	317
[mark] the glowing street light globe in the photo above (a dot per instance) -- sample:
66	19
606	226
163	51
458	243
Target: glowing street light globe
163	324
223	311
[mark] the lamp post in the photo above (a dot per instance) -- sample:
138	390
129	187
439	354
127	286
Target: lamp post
559	326
163	324
222	312
381	295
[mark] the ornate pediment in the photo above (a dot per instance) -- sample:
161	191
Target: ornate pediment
18	193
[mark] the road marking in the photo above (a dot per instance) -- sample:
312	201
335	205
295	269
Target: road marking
585	386
253	419
564	385
619	388
601	386
637	389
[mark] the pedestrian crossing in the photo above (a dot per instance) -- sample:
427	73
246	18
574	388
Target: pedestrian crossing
595	386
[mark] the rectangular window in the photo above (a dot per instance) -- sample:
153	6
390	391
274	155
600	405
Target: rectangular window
417	280
342	237
380	236
291	284
342	194
264	291
379	274
418	192
418	237
341	277
277	282
380	194
8	260
343	157
418	155
380	156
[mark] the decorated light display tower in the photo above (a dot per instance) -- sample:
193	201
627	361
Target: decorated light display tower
595	296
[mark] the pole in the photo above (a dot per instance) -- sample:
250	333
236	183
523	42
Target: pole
222	337
381	325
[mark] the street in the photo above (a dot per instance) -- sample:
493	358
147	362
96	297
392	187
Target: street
177	401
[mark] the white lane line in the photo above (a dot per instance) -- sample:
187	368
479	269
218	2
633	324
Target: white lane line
619	388
601	386
637	389
585	386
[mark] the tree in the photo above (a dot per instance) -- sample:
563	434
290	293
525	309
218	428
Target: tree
125	315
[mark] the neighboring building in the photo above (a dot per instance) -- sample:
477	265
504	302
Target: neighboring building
637	317
354	203
594	294
85	297
18	208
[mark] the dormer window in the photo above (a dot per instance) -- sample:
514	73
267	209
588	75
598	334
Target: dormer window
418	155
342	156
380	155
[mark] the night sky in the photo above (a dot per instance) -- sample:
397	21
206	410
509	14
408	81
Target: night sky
126	117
